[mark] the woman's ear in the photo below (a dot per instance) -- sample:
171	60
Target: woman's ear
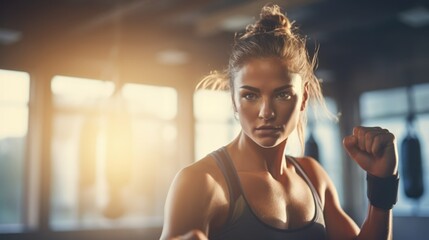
304	97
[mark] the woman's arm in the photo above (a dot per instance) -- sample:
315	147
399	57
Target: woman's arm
378	224
374	149
188	206
339	225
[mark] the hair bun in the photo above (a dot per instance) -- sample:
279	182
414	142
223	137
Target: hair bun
271	20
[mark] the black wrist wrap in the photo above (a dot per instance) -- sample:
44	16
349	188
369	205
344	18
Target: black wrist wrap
382	192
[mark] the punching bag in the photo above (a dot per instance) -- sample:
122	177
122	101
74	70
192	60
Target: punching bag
411	161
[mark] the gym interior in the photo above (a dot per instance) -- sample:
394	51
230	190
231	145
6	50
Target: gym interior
99	110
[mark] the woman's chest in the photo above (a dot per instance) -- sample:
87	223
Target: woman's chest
283	204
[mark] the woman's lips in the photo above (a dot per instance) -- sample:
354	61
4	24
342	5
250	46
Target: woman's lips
268	129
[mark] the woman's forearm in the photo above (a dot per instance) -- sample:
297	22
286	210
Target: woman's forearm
377	225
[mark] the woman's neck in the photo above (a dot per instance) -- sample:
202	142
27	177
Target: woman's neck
250	157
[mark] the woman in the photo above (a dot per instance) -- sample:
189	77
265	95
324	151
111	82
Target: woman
250	189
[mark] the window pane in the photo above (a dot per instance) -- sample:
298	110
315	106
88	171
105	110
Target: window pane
212	105
11	179
421	96
14	96
65	152
152	100
14	121
112	167
14	87
79	92
215	125
379	104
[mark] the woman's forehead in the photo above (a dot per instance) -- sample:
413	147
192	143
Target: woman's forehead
266	69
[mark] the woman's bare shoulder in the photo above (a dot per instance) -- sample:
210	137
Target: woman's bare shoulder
310	165
316	173
205	168
194	199
201	179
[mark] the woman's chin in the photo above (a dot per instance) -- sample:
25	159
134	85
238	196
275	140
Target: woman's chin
268	143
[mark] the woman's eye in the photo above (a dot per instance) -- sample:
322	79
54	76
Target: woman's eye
283	95
249	96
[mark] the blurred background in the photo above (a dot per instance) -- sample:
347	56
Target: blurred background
98	108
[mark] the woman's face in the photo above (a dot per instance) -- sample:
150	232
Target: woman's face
268	100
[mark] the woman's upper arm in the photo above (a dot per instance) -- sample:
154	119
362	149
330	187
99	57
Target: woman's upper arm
338	224
187	205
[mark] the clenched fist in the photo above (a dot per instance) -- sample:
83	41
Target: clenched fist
374	149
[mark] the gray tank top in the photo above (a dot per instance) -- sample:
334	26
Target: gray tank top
243	223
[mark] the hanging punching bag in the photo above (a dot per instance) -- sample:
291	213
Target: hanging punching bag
411	161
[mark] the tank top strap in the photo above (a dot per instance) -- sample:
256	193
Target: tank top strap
302	173
231	177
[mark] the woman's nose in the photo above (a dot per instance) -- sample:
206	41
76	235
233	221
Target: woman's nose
266	110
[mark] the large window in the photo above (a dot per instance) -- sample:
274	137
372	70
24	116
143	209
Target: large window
389	109
113	153
14	97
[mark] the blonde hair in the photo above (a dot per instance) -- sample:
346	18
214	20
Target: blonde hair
273	35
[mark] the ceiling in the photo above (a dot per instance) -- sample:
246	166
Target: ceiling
87	36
